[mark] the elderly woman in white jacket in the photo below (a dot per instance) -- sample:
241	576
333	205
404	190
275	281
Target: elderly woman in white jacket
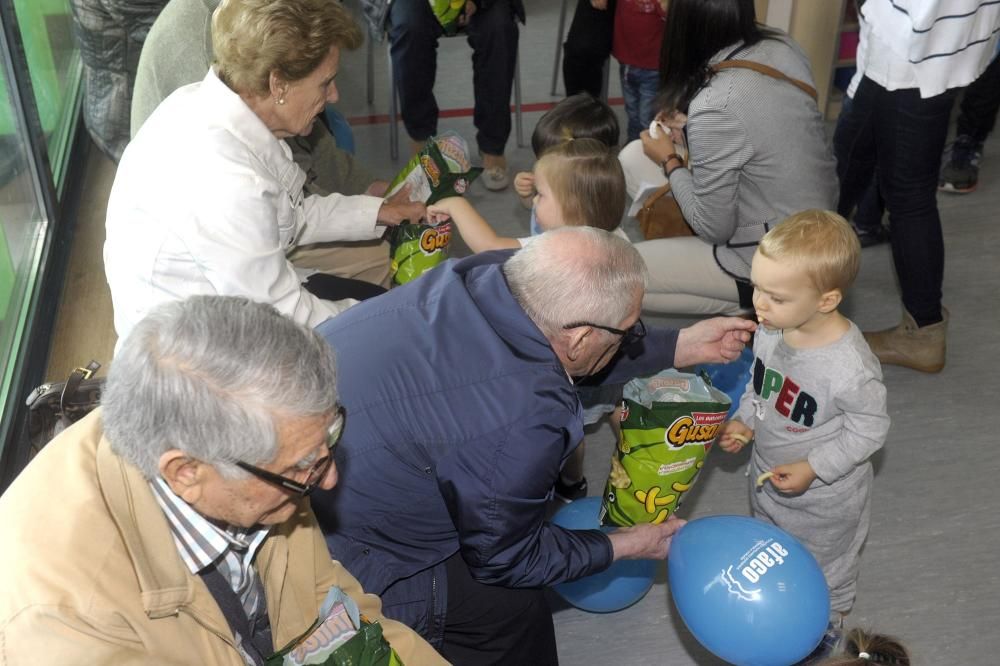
207	199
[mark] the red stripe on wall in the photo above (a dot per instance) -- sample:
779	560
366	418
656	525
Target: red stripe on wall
383	118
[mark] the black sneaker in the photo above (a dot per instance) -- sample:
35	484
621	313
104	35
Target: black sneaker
960	172
566	493
869	237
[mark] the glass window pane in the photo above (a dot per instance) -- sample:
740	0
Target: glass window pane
46	28
22	229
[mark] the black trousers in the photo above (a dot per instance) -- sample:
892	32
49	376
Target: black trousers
899	136
977	112
493	625
333	288
492	34
587	48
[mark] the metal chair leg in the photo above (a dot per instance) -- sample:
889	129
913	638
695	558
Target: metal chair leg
607	76
370	72
559	39
393	109
518	120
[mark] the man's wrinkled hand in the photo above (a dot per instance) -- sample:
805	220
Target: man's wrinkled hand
716	340
645	541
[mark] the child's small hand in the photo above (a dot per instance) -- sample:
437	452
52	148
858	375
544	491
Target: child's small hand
436	214
524	184
793	478
734	436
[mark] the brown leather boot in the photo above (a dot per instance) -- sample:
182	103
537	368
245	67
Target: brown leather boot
921	348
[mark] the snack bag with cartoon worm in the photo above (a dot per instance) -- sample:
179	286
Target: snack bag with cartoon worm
441	169
669	422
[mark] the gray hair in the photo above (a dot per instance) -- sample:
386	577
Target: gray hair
573	274
208	376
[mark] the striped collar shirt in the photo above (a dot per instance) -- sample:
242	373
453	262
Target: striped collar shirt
202	544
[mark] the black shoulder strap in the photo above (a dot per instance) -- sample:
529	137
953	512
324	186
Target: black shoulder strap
257	645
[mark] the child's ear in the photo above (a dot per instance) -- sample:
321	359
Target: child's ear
830	300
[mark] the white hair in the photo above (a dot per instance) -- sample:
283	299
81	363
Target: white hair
574	274
208	376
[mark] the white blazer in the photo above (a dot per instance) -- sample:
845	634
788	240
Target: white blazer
207	200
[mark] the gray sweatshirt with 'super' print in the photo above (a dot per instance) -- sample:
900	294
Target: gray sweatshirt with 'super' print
826	406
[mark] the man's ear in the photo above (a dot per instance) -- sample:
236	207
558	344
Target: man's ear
184	474
577	341
830	300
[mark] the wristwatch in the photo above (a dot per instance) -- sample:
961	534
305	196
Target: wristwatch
665	164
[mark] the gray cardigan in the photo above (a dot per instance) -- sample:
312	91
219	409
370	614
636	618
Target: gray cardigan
758	153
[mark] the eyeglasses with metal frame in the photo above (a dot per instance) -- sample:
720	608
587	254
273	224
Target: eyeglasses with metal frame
316	473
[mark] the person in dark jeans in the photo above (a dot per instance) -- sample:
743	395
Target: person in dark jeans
869	209
976	117
493	35
588	47
898	136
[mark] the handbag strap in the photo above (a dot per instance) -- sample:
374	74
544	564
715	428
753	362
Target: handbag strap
73	383
652	198
767	71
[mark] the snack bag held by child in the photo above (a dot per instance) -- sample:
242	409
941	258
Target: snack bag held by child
669	422
441	169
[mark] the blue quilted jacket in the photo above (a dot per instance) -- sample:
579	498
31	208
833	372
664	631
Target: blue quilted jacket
459	418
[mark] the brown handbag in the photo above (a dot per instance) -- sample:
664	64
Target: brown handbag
660	216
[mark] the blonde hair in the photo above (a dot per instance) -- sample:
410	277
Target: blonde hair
588	182
821	243
252	38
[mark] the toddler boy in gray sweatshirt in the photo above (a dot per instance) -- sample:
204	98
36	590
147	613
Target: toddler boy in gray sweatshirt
815	407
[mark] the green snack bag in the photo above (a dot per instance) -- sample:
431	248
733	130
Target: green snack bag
447	13
669	422
441	169
417	248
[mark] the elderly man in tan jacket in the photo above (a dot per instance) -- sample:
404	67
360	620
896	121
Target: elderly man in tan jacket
159	527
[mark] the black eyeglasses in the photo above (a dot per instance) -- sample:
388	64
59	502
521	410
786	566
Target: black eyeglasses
630	336
316	472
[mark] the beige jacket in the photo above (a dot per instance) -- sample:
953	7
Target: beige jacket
89	573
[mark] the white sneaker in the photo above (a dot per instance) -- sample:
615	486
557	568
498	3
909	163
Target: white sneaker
495	178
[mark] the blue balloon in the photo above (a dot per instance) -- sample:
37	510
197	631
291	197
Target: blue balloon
620	585
730	378
748	591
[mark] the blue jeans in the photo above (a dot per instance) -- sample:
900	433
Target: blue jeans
492	34
640	88
900	136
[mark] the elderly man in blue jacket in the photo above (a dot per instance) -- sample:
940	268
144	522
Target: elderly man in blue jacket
461	410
